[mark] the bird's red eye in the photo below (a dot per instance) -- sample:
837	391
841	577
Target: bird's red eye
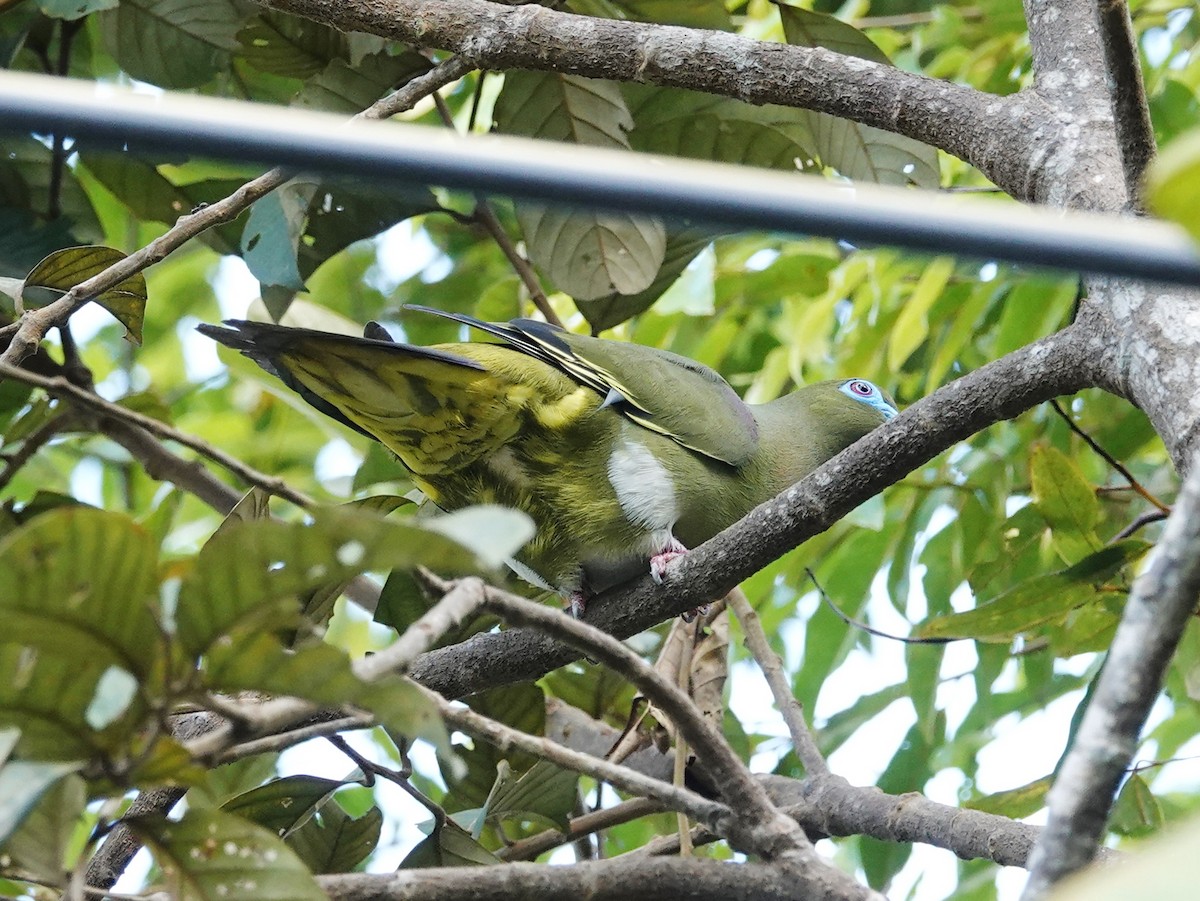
862	389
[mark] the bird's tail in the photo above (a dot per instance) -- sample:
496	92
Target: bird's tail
435	409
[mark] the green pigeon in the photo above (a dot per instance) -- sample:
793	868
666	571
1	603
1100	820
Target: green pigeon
623	455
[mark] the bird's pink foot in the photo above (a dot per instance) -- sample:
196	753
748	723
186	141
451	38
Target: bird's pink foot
577	603
658	563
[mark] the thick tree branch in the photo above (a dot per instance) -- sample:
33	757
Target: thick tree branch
620	879
1127	93
999	135
832	806
1163	599
1000	390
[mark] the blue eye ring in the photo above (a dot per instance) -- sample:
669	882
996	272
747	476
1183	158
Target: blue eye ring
868	393
860	388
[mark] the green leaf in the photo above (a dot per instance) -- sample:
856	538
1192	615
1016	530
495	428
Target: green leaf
1173	183
1037	601
254	574
255	661
857	151
74	9
351	86
1017	803
210	855
520	706
1067	501
586	254
546	794
172	43
1136	812
40	845
290	46
232	779
448	846
79	582
677	122
22	784
912	325
335	842
284	805
150	195
683	246
272	237
64	269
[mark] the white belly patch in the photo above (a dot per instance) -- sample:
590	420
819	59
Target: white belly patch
644	488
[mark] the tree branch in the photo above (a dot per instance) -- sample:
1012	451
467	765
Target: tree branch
1000	390
1127	94
772	668
61	388
999	135
757	826
1163	599
711	813
620	879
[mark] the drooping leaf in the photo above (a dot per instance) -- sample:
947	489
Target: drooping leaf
683	246
172	43
1136	812
283	805
857	151
593	253
335	842
449	845
1067	501
64	269
22	784
545	794
272	237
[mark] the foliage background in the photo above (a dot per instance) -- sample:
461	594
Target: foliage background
991	519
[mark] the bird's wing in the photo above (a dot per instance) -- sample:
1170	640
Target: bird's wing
664	392
436	408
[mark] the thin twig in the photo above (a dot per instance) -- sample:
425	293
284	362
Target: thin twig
682	681
712	813
772	668
588	824
1150	516
456	605
486	216
758	824
1108	458
60	387
36	440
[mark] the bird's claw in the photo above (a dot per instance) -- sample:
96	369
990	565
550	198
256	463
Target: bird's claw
658	563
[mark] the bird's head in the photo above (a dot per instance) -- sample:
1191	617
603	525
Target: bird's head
843	410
